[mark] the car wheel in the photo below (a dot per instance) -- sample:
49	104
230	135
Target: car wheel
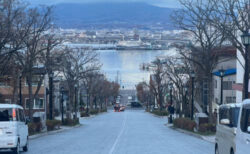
26	148
216	150
17	149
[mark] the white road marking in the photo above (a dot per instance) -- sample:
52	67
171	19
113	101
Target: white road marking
119	136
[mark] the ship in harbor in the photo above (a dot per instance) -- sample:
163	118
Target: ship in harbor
135	45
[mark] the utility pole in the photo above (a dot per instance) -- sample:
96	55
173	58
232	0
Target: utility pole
62	105
51	95
20	90
192	105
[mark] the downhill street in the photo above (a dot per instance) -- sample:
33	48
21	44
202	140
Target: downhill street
129	132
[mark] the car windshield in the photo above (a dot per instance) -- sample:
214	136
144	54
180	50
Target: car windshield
231	114
6	114
245	118
234	116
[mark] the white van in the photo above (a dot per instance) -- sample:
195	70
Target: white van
227	121
13	128
243	130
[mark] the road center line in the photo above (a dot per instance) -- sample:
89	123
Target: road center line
119	136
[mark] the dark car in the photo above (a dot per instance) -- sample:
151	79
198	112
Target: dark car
136	104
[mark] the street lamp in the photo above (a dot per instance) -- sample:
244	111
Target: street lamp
62	105
171	91
20	90
75	100
170	108
192	105
185	98
222	74
51	95
245	38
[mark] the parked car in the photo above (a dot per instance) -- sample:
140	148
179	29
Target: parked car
243	129
13	128
122	108
136	104
227	121
117	107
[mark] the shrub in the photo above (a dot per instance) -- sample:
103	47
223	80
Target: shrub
34	127
207	127
94	111
53	124
71	122
184	123
160	113
84	114
103	110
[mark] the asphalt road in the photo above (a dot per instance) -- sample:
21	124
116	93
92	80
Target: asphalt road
129	132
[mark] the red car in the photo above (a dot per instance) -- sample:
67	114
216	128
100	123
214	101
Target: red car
117	108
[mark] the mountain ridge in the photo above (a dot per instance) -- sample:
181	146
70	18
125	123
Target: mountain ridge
72	15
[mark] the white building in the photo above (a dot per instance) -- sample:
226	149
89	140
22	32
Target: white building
227	62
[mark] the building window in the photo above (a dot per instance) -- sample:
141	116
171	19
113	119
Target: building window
5	82
27	104
230	99
38	104
35	80
228	85
7	101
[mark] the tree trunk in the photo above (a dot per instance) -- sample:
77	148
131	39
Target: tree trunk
15	88
31	99
210	96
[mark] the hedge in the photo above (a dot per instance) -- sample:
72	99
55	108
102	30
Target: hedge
84	114
71	122
34	127
184	123
94	111
207	127
104	110
53	124
160	113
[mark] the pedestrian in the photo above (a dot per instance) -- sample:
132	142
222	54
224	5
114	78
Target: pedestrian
171	112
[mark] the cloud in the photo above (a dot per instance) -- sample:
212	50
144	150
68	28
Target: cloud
161	3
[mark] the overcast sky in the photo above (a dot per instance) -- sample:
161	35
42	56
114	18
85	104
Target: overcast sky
163	3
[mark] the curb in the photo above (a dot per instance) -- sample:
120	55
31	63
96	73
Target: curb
191	134
62	129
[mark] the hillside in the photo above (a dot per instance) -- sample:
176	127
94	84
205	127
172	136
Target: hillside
112	15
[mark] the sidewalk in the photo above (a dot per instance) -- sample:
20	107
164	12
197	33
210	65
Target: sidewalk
62	129
209	138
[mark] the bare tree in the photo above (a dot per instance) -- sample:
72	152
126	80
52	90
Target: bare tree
195	18
143	94
158	79
77	65
177	71
11	31
36	21
232	18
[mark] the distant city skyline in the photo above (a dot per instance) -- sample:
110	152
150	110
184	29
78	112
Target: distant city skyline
160	3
